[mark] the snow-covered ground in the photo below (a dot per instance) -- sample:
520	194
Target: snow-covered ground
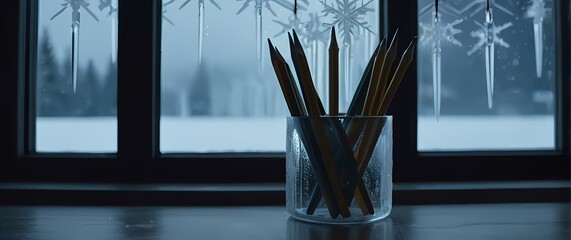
486	133
99	135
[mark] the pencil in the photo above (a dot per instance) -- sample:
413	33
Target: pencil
397	77
315	109
333	75
375	77
387	66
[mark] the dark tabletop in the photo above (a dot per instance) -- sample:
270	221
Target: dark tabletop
537	221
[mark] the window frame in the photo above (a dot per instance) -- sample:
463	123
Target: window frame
139	160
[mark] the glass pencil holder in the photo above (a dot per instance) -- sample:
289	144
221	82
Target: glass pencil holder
339	169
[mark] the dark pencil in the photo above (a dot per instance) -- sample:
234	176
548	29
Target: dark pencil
358	101
375	77
369	140
290	99
333	75
315	109
397	77
387	66
291	94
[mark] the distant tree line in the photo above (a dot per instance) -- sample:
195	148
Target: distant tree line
96	93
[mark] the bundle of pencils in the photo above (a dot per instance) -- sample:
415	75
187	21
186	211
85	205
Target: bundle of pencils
339	152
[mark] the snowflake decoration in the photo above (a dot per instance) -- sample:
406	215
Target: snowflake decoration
482	6
200	1
261	3
308	31
312	30
165	10
482	35
293	23
347	16
75	6
537	11
108	4
435	32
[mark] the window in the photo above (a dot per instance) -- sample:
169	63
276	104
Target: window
141	102
218	89
76	77
479	94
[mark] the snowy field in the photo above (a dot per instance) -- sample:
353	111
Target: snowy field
486	133
99	135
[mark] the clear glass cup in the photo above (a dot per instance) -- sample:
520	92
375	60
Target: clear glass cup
301	230
339	169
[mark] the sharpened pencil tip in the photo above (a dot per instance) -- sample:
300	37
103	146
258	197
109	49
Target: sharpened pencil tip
272	49
296	40
333	45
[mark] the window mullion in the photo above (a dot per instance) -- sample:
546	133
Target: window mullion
11	73
137	76
402	16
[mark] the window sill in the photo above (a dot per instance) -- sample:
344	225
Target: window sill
270	194
470	221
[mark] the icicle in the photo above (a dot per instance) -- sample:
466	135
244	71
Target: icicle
200	22
437	63
75	6
259	42
345	74
437	77
200	29
490	56
538	34
314	52
537	11
74	47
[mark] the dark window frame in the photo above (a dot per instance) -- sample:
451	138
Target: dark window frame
139	160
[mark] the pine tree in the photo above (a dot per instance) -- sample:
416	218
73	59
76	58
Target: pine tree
200	104
108	94
87	94
48	96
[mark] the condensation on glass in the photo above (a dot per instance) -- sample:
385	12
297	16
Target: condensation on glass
219	91
486	75
76	76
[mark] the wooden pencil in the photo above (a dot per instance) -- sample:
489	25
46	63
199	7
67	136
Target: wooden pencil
306	132
358	100
407	57
290	99
368	141
375	77
315	109
333	75
387	67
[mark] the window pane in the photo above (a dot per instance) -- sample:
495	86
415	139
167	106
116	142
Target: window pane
219	91
76	80
487	85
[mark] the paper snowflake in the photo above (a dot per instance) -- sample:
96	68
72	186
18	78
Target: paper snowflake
112	5
267	3
200	2
433	32
312	30
483	35
348	17
292	23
